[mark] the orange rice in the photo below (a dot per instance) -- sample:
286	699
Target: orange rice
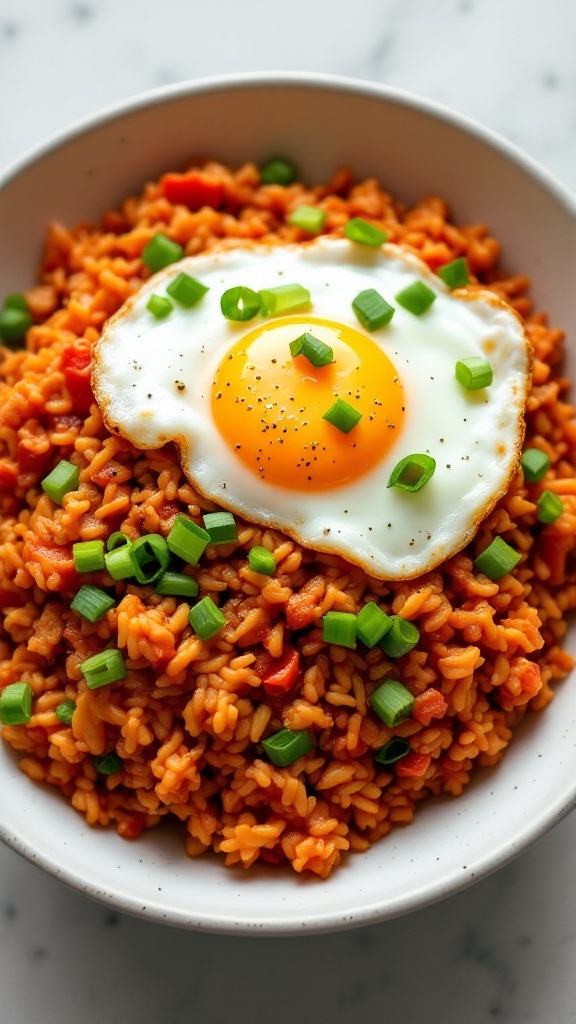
189	717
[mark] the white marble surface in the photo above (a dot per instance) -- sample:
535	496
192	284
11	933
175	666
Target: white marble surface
504	950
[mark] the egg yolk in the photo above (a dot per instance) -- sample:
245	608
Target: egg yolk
269	406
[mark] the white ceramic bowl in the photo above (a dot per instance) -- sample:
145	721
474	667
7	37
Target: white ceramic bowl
415	148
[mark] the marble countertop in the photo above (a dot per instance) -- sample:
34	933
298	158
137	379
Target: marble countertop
505	949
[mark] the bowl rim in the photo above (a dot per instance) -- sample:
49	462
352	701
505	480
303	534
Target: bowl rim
565	801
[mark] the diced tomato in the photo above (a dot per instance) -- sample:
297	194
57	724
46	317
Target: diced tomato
302	604
32	462
8	475
429	705
76	362
413	765
281	673
193	190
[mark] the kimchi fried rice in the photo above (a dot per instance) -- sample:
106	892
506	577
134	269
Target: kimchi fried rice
184	728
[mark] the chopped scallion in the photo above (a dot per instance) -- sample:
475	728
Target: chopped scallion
497	559
286	746
315	351
400	638
159	306
92	603
160	252
64	477
16	301
221	527
186	290
176	584
308	218
455	274
412	472
339	628
372	624
285	298
261	560
474	373
393	751
206	619
150	557
117	540
65	711
535	464
240	304
342	416
16	704
119	563
107	764
277	171
187	540
372	310
550	507
104	668
416	298
14	323
88	555
359	230
392	702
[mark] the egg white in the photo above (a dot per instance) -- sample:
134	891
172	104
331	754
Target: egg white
152	379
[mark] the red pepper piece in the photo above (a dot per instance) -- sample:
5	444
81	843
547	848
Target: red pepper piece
76	362
193	190
413	765
282	672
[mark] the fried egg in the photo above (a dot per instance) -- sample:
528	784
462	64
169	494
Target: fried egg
248	416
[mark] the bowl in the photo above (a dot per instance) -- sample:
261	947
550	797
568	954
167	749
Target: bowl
416	148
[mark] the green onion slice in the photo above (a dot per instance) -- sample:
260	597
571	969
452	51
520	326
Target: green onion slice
176	584
65	711
13	325
285	298
16	704
92	603
372	310
16	301
240	304
497	559
261	560
88	555
400	638
315	351
119	563
104	668
159	306
392	702
359	230
117	540
339	628
150	556
535	464
107	764
342	416
64	477
286	746
308	218
206	619
416	298
412	472
278	171
474	373
455	274
372	624
187	540
221	527
186	290
393	751
550	507
160	252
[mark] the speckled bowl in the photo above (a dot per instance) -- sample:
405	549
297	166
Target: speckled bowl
416	148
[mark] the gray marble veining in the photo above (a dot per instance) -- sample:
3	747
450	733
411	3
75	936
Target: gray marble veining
505	949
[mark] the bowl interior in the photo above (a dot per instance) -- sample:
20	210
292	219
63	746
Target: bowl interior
414	149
